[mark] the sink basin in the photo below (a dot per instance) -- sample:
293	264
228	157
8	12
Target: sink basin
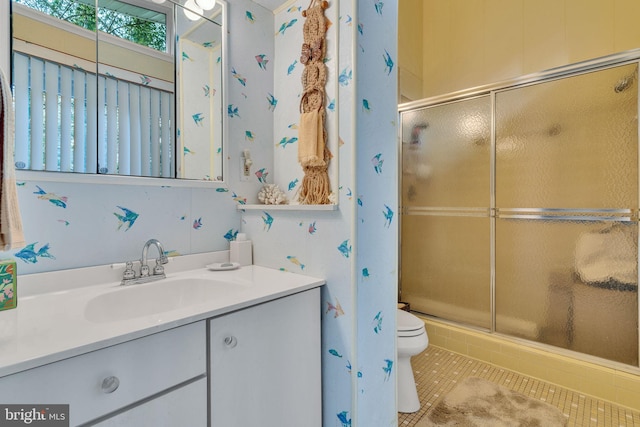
134	301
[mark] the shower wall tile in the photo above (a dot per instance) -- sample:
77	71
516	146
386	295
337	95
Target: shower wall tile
503	54
589	28
543	49
467	43
626	29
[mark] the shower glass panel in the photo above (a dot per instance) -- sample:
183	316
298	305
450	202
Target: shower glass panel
569	283
446	152
566	195
570	143
446	239
445	267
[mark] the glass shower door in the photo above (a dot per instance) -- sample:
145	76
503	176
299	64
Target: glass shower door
446	224
566	269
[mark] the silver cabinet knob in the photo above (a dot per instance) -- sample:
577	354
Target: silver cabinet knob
110	384
230	341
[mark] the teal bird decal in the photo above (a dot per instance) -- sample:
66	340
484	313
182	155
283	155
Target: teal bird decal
64	221
268	221
262	61
241	80
128	219
365	273
222	190
286	141
344	418
291	67
293	126
345	77
377	162
361	29
187	151
349	193
332	105
186	57
294	9
285	26
295	261
334	353
60	201
388	216
349	20
197	119
312	228
272	102
345	248
249	17
378	5
248	135
145	80
207	91
293	184
262	175
232	111
360	201
209	44
388	62
377	321
29	254
365	105
231	235
387	369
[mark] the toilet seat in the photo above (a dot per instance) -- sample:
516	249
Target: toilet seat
409	325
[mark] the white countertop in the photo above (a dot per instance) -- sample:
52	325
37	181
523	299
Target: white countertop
51	326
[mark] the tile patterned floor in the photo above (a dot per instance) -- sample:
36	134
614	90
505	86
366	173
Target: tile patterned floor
437	370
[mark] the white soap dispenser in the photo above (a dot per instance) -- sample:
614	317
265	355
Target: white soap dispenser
240	250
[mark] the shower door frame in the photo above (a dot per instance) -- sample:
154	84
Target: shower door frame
491	90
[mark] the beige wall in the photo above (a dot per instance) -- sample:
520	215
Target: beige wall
469	43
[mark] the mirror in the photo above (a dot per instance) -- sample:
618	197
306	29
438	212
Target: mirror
121	87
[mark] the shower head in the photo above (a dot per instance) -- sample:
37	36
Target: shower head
624	83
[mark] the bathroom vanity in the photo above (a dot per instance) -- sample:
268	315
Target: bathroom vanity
229	348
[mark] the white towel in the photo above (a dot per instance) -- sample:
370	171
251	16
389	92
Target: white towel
11	234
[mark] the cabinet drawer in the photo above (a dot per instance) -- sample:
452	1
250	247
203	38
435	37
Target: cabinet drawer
143	367
186	406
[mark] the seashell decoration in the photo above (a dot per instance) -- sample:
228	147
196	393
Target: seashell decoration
271	194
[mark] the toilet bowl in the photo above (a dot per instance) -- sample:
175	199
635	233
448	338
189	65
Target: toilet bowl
412	339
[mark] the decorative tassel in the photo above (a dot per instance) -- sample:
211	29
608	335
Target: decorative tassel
315	189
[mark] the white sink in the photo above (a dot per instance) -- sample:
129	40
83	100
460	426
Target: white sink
134	301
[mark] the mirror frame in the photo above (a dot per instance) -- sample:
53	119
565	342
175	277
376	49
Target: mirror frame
108	179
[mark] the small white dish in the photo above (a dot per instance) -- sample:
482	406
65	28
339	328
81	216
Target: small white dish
219	266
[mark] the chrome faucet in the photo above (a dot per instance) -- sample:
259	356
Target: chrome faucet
130	278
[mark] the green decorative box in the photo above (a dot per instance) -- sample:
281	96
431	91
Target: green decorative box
8	285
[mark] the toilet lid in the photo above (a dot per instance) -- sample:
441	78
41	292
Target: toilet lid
408	322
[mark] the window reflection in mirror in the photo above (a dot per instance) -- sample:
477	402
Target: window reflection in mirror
117	111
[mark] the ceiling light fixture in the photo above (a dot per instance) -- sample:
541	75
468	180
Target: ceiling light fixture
192	11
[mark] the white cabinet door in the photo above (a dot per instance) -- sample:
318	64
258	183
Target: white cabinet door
186	406
265	364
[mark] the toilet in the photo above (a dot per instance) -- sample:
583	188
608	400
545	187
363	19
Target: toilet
412	339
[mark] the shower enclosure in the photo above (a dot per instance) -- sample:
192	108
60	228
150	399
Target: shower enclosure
520	208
